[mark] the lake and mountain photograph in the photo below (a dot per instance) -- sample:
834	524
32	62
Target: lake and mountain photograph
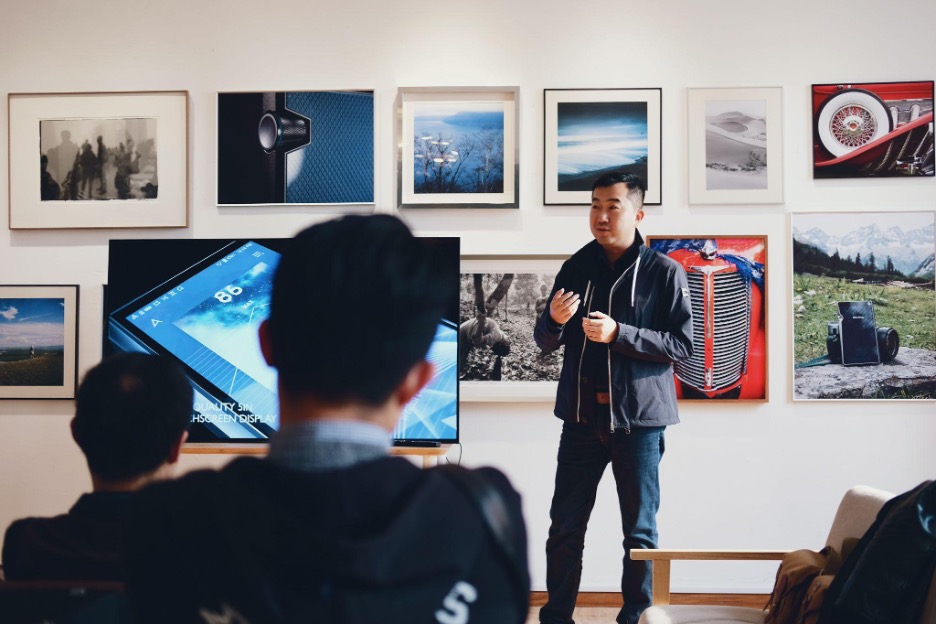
885	262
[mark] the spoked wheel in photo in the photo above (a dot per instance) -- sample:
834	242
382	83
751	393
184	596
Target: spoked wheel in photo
851	119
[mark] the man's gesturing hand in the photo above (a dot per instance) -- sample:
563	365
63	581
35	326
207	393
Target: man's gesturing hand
563	306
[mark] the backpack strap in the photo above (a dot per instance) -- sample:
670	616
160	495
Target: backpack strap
496	516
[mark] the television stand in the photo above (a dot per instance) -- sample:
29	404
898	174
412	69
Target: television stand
430	454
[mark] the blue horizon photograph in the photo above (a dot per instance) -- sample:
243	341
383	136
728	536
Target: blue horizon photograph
589	133
38	341
458	147
34	323
595	138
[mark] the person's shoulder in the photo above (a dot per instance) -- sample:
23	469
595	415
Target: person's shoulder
583	259
585	253
660	259
496	478
199	483
13	536
487	475
25	536
24	526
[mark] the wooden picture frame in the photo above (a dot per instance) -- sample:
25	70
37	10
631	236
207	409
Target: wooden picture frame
106	160
727	277
38	341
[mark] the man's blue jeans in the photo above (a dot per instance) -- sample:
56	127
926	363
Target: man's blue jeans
585	449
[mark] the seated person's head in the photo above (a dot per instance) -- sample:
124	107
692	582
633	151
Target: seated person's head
355	306
132	415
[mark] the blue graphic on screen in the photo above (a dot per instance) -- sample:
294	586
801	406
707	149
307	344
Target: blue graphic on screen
432	414
210	323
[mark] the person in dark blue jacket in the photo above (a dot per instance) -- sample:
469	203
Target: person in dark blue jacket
623	313
329	527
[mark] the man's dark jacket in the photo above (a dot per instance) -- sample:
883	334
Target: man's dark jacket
650	302
381	541
82	545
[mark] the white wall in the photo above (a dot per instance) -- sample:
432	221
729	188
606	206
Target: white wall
752	475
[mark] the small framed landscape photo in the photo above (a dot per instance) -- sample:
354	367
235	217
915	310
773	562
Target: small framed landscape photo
38	342
727	278
98	160
458	148
590	132
736	146
501	299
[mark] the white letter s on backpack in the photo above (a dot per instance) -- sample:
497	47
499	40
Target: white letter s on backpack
455	605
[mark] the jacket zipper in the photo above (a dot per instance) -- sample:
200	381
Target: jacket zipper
578	385
610	296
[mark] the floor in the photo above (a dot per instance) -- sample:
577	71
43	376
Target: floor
599	607
583	615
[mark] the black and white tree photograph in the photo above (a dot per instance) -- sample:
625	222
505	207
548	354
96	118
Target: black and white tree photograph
495	336
98	159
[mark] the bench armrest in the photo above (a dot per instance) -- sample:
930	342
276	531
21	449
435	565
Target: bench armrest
661	558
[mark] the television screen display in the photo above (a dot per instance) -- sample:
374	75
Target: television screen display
201	302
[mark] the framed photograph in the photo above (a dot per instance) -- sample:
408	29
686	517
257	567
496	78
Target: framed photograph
296	147
728	288
106	160
38	342
864	307
458	148
591	132
736	146
501	299
873	129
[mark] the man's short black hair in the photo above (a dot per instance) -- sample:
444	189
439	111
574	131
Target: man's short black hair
635	186
130	411
356	303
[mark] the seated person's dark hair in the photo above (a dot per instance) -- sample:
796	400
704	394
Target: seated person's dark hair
130	411
635	185
348	318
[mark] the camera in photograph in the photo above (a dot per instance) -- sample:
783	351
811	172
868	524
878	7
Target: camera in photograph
887	339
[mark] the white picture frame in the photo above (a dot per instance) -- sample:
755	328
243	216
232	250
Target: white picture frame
604	117
847	257
166	111
735	145
462	110
542	270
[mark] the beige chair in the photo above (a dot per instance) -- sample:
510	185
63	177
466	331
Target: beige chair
855	514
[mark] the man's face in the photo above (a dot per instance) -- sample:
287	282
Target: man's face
614	218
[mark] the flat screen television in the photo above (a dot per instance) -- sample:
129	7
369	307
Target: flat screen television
201	301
